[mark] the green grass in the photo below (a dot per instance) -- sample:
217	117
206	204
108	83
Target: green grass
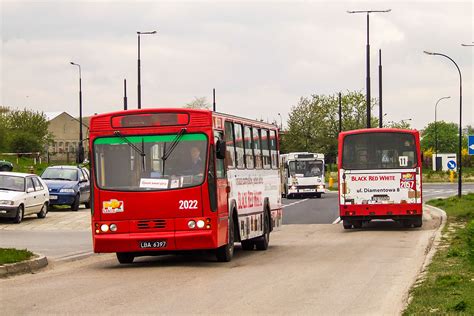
10	255
448	287
27	165
443	176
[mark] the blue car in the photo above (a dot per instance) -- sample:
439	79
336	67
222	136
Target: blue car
68	185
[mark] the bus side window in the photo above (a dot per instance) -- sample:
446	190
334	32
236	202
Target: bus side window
249	159
273	149
239	145
265	148
257	148
229	141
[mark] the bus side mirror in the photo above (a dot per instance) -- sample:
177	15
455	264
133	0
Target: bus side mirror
220	149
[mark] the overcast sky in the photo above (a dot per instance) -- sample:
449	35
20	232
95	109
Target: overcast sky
260	56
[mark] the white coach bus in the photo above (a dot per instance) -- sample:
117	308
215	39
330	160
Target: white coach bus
302	174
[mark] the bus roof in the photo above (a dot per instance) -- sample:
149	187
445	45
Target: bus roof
379	130
201	117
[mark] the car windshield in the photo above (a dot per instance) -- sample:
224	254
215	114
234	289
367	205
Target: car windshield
306	168
152	162
60	174
12	183
379	151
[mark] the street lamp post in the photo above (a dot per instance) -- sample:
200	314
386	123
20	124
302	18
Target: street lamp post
368	58
281	121
436	131
139	66
460	121
80	154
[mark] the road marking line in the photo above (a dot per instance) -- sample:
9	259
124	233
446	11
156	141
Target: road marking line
294	203
337	221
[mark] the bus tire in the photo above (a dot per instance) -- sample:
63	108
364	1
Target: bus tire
247	244
357	224
346	224
125	257
226	252
418	222
262	242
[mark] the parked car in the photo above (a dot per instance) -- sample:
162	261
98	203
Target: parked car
6	165
68	185
22	194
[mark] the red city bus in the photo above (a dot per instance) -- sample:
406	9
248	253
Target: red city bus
380	176
172	180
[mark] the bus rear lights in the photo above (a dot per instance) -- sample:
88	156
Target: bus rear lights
192	224
411	212
200	223
350	213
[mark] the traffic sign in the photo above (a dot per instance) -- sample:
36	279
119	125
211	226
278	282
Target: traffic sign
470	145
451	164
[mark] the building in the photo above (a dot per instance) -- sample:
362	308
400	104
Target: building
64	129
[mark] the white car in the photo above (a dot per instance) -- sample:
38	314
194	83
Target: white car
22	194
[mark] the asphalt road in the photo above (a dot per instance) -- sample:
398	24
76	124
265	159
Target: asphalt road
314	269
311	210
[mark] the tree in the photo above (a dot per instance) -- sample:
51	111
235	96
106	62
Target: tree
25	131
198	103
313	124
448	141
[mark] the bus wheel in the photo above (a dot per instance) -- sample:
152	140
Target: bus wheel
247	244
226	252
262	242
346	224
357	224
418	222
125	257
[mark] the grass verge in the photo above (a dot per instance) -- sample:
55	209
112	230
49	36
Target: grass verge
448	286
10	255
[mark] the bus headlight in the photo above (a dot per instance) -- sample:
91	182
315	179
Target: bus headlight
104	228
200	223
113	227
192	224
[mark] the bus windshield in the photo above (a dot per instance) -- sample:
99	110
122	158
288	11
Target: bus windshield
305	168
379	151
143	163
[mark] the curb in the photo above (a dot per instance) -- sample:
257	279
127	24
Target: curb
28	266
430	251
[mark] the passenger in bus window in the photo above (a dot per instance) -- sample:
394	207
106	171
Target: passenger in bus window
196	161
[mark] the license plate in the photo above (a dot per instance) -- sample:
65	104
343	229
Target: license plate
53	197
308	190
153	244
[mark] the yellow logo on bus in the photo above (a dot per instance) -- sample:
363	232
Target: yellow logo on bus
112	206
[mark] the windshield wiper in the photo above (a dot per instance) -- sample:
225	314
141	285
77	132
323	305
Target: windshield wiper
138	150
173	145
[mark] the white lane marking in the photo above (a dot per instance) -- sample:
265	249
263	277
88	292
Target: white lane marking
337	221
294	203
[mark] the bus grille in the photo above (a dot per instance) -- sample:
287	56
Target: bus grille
156	223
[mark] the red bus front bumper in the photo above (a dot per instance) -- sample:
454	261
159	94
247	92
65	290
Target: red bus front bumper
175	241
380	211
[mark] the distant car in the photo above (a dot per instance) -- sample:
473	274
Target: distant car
22	194
68	185
6	165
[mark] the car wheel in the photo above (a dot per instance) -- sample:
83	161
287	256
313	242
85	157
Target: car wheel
43	212
226	252
262	242
125	257
19	214
75	204
318	195
88	203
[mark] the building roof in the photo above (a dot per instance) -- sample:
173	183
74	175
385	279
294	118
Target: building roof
52	115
